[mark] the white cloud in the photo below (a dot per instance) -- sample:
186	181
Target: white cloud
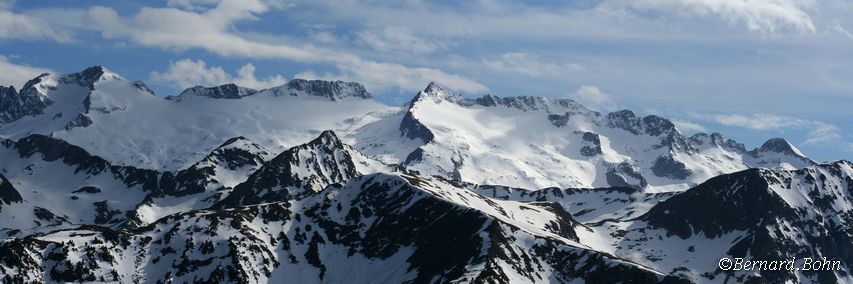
6	4
213	31
399	39
819	133
192	5
187	73
17	26
323	37
758	15
840	29
376	76
760	121
17	75
203	5
823	133
529	64
686	125
592	97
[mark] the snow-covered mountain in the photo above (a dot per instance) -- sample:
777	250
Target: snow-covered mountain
530	142
124	122
302	171
315	182
758	214
399	226
537	142
202	184
387	228
61	185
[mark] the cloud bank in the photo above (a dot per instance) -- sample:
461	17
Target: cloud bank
187	73
17	75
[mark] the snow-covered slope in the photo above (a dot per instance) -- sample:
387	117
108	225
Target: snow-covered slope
778	153
303	170
384	228
313	217
60	184
756	214
204	183
530	142
537	142
125	123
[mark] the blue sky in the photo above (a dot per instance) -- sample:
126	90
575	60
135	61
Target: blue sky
750	69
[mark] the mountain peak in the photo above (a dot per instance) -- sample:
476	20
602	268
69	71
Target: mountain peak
651	124
227	91
234	140
437	93
297	172
333	90
327	138
4	91
780	145
434	87
89	76
778	152
227	165
29	101
717	139
244	145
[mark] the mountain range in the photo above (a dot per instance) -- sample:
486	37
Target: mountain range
316	182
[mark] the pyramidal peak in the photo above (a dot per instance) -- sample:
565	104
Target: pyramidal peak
778	151
327	137
780	145
437	94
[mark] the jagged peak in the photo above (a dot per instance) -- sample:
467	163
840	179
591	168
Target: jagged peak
333	90
434	88
29	85
622	113
717	139
297	172
438	93
327	138
235	153
89	76
85	78
651	124
5	91
29	101
656	125
840	162
226	91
